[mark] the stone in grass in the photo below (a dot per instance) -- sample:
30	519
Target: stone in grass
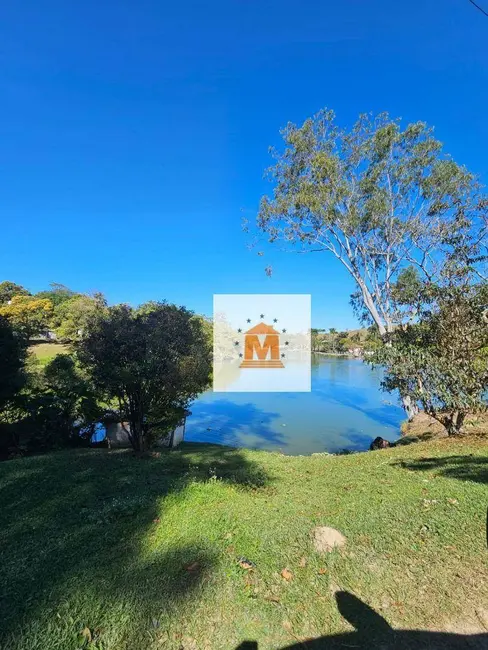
326	539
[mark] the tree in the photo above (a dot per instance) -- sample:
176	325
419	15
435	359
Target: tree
28	315
373	341
13	351
58	294
61	405
316	339
71	316
9	289
151	361
379	199
342	343
442	360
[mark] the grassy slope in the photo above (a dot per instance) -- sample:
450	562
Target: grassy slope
143	552
44	352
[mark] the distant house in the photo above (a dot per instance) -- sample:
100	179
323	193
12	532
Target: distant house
46	336
355	352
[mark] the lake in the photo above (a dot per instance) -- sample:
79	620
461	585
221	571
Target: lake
346	409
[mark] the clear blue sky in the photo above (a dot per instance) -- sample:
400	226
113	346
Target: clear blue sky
134	135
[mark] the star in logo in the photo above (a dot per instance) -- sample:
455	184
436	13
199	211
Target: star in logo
248	320
236	342
286	342
284	331
275	320
282	355
261	316
239	330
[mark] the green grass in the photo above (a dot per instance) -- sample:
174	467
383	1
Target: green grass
44	352
142	553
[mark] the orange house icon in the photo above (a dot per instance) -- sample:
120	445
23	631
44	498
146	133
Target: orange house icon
265	354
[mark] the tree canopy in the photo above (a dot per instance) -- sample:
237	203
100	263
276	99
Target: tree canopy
71	316
28	315
57	294
10	289
150	361
442	358
380	198
377	197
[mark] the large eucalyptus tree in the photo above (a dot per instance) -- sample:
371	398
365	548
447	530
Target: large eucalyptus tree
380	198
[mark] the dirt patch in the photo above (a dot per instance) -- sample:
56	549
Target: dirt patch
474	622
326	539
426	427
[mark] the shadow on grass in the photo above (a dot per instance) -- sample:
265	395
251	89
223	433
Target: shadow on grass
465	468
373	631
73	529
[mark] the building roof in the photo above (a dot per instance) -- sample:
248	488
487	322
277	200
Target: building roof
262	328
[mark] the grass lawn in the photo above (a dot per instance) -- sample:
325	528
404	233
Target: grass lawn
109	551
44	352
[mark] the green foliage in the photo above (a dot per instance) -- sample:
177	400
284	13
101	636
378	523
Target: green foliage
71	316
408	287
9	289
442	360
152	361
333	342
28	315
58	294
60	405
373	340
379	198
13	352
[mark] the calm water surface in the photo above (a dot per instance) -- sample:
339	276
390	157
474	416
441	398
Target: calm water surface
345	410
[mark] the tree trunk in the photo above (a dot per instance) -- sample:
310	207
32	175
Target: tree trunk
410	406
455	423
460	421
450	427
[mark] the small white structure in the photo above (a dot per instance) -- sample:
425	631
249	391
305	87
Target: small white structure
117	434
173	438
48	335
356	352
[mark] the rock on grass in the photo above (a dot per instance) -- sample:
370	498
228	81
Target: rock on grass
326	539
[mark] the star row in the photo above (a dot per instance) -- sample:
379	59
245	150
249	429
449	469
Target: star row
261	316
239	330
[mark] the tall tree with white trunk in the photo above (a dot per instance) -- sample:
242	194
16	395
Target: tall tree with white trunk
378	197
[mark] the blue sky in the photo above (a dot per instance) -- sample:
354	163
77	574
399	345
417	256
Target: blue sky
134	135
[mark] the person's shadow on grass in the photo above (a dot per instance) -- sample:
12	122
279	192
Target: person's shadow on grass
373	632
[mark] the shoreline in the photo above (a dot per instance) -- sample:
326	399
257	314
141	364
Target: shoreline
336	354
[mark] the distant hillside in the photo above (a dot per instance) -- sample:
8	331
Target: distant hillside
355	341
